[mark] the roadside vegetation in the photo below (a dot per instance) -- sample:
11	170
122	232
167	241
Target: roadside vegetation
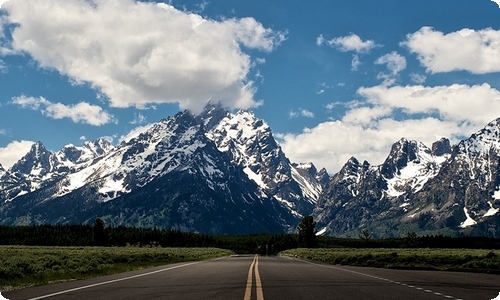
34	265
471	260
40	254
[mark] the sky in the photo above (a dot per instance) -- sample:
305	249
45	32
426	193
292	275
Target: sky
332	78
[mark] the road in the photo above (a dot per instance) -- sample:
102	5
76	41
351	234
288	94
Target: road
259	278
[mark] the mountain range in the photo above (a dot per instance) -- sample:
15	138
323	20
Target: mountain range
225	173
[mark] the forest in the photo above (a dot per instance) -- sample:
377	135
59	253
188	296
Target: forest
267	244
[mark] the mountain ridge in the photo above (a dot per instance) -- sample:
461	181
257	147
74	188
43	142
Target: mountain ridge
224	173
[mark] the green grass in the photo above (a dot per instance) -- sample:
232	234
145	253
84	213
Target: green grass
430	259
22	266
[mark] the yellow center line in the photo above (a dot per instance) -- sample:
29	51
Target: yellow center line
248	290
258	283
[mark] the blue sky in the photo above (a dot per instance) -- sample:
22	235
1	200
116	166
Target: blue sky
333	79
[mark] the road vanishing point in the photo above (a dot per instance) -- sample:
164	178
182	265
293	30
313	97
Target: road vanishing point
259	277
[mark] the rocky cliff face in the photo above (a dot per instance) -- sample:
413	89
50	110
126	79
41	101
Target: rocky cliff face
439	190
215	173
223	172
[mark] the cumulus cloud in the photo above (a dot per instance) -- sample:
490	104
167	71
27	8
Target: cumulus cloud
370	125
13	152
82	112
331	144
477	104
349	43
395	64
475	51
138	53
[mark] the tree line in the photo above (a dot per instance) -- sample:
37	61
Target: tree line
100	235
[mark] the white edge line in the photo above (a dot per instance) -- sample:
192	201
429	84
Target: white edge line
363	274
113	281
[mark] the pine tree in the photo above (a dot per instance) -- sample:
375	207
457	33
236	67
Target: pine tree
307	232
98	236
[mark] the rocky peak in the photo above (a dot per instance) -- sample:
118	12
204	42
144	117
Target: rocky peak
89	151
306	169
38	160
441	147
98	147
212	115
483	141
323	177
402	152
350	168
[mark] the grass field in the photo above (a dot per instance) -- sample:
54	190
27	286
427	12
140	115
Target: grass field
430	259
25	265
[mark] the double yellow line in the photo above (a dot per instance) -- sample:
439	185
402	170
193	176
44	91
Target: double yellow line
258	283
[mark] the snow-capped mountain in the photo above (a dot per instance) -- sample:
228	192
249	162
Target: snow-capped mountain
40	167
250	144
223	172
72	155
177	164
417	189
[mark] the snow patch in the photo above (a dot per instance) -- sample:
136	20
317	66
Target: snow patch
416	173
492	211
112	188
469	221
321	232
498	297
255	177
308	189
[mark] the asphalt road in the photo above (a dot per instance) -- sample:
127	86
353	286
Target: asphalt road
259	278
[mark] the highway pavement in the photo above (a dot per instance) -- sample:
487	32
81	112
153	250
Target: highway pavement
258	278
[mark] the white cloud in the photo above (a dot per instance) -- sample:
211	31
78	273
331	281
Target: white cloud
331	144
83	138
201	6
331	106
418	78
370	126
3	67
138	119
301	113
13	152
82	112
474	51
134	133
137	53
323	87
320	40
348	43
477	104
395	64
355	63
